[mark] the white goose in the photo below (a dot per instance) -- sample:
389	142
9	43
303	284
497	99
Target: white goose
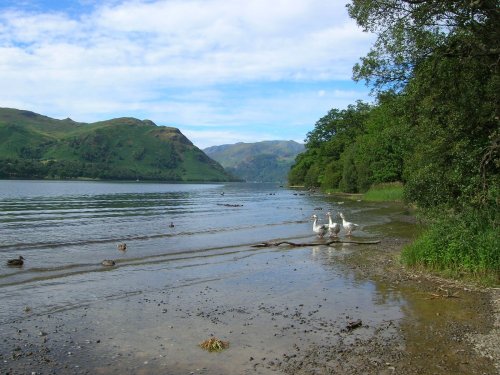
348	226
333	228
319	229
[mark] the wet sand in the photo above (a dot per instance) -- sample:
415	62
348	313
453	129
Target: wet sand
282	310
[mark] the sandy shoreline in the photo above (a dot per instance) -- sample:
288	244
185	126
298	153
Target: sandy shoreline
282	311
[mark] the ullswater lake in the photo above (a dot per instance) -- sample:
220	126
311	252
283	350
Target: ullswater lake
190	272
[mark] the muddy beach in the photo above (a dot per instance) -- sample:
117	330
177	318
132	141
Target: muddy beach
289	325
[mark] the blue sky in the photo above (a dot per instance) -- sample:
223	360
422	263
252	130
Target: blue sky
222	72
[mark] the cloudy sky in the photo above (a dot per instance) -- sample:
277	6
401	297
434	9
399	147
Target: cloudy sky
221	71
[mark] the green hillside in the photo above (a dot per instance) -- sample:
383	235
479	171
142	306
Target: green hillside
267	161
36	146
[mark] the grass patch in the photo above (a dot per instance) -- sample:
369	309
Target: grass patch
214	344
459	246
390	191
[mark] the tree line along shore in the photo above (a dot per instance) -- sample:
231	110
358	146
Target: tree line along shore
431	138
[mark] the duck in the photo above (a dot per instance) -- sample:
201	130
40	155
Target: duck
171	224
108	262
348	226
319	229
122	246
16	262
333	228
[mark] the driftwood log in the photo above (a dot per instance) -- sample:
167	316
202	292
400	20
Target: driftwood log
325	243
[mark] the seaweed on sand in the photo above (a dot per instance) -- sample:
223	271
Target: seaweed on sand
214	344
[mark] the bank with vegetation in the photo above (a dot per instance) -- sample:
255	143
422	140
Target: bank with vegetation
434	128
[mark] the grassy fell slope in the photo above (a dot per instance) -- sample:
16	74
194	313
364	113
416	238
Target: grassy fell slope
121	148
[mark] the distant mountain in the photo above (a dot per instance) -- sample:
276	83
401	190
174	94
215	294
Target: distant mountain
267	161
36	146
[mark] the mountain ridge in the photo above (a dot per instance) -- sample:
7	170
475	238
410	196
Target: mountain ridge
37	146
265	161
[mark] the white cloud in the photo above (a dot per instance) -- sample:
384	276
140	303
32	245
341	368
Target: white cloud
175	58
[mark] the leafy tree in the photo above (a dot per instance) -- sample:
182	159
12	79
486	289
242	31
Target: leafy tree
297	174
325	145
443	56
349	182
381	150
332	174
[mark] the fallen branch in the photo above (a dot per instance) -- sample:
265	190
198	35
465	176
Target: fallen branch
323	243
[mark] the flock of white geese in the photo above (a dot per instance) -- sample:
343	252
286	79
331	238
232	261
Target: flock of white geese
333	228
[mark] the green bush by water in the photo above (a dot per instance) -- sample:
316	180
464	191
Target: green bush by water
461	246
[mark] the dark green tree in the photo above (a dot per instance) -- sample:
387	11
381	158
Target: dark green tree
320	164
381	150
443	56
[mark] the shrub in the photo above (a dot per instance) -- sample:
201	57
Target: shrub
459	245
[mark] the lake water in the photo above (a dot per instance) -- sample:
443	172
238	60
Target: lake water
63	312
64	229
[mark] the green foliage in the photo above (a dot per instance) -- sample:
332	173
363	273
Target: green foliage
435	126
349	182
313	176
381	150
451	137
408	32
458	245
321	164
354	148
303	162
332	175
443	57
